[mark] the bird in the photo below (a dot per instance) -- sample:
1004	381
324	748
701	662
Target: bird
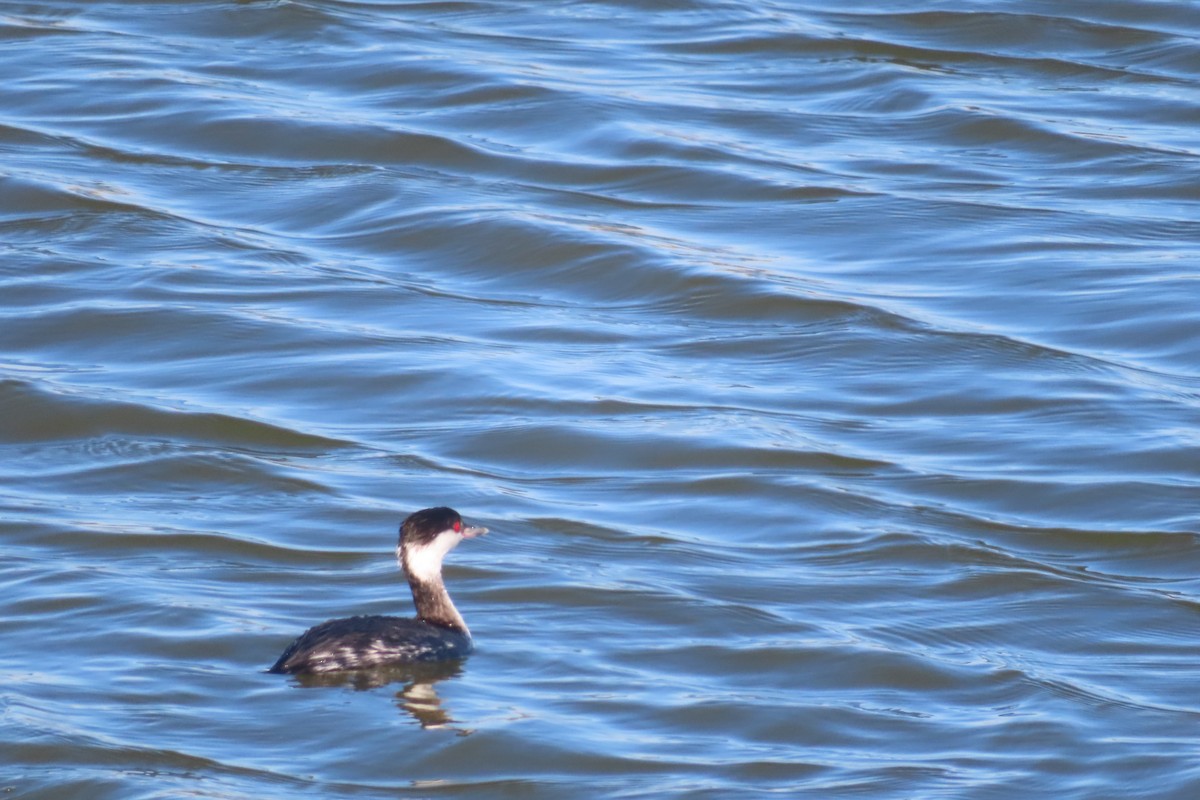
437	633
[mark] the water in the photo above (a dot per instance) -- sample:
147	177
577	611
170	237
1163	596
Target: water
827	374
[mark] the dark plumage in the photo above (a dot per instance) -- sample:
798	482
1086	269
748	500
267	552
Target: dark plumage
437	633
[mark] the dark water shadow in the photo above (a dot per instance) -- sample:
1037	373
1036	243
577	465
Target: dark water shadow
418	698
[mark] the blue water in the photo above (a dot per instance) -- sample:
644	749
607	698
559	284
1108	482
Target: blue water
827	375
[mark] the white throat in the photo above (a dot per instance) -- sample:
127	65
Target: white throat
424	562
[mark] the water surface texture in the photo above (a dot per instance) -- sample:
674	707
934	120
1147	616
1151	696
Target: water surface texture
826	372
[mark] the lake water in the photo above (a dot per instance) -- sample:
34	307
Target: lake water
828	375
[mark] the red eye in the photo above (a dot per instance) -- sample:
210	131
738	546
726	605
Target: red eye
458	526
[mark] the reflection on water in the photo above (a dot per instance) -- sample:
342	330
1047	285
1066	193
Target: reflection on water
418	698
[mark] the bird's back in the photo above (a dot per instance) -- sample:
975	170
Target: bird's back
371	641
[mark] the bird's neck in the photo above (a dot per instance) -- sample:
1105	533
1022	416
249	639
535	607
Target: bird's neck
423	567
434	605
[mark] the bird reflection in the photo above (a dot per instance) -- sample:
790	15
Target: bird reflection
418	698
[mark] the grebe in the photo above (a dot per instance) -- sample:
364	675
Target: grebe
436	634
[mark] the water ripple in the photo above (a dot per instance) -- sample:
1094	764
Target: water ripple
827	377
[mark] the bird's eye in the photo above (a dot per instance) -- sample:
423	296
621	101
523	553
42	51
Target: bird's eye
458	526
